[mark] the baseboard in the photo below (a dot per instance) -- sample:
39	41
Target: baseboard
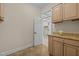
5	53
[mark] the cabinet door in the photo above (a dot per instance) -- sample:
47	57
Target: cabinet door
57	48
57	13
70	50
1	9
50	45
69	11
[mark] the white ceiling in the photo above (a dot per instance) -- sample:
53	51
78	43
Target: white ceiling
39	5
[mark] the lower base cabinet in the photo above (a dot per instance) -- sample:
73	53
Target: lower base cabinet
50	47
63	48
70	50
57	48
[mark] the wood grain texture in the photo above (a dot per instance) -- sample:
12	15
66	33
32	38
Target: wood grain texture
64	47
71	42
2	10
70	50
69	11
49	45
57	13
57	48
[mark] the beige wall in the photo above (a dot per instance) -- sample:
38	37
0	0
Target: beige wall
17	28
67	26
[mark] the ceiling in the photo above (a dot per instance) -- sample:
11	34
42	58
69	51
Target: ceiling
39	5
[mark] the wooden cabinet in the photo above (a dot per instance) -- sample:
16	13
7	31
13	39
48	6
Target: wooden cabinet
70	11
63	47
70	50
57	13
50	45
1	11
71	47
66	11
57	48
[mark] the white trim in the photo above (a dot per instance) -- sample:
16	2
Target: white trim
5	53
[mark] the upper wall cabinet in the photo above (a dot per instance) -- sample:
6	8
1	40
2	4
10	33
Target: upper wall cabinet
66	11
70	11
57	13
1	12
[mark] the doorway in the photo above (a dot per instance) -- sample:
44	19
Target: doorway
37	32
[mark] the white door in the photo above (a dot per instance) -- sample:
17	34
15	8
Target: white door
37	31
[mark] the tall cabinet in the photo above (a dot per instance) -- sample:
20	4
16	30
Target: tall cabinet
50	43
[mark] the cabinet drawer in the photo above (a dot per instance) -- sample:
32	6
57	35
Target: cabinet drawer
57	39
71	42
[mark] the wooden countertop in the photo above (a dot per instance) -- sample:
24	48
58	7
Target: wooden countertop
67	36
